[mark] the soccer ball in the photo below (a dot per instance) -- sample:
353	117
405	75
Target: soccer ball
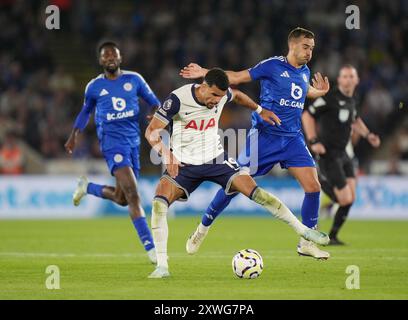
247	264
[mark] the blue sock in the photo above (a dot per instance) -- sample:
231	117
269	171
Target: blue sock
310	209
217	205
144	233
95	189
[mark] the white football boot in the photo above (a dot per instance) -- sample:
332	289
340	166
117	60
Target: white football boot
196	239
159	272
316	236
151	254
309	249
80	190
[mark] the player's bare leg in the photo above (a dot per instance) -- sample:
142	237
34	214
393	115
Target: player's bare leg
308	179
127	188
247	186
115	194
166	193
126	192
345	198
346	195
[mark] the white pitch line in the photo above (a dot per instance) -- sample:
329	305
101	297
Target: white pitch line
175	255
70	255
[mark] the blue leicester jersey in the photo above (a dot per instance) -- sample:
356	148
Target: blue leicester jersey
116	105
283	91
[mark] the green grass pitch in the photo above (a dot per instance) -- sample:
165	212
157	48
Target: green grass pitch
103	259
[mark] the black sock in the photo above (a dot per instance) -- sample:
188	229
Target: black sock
339	219
328	189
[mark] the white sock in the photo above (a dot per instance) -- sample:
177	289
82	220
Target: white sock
160	231
278	209
202	228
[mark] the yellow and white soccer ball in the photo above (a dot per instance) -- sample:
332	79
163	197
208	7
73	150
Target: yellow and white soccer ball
247	264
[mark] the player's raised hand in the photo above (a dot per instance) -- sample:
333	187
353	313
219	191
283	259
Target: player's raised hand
320	83
193	71
270	117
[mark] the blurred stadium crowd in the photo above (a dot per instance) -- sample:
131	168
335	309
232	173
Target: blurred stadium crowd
42	78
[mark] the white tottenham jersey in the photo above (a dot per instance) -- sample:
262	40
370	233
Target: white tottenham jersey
194	127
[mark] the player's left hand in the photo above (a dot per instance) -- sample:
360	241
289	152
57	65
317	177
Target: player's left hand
321	84
193	71
70	144
270	117
374	140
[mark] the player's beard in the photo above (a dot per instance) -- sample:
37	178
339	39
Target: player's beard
112	69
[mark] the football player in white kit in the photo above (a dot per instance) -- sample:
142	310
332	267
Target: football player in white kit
196	155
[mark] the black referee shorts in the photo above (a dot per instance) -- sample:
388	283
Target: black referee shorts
336	167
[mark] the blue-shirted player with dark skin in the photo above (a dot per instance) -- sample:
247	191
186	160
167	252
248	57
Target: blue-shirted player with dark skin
284	87
114	96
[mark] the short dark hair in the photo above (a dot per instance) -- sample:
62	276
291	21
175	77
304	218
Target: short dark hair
347	66
105	44
218	77
300	32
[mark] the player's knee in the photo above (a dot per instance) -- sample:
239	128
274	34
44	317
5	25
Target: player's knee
131	195
345	199
312	186
121	201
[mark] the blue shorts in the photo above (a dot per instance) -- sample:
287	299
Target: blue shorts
122	157
262	153
221	170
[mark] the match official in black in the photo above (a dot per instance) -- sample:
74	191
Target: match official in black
328	123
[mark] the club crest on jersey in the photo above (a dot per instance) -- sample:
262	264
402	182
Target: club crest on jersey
305	78
118	158
167	104
202	126
344	115
128	86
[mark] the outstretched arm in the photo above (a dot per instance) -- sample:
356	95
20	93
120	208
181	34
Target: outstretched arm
195	71
361	129
81	122
319	86
242	99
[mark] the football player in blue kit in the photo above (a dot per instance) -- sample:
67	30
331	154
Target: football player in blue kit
284	87
114	96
